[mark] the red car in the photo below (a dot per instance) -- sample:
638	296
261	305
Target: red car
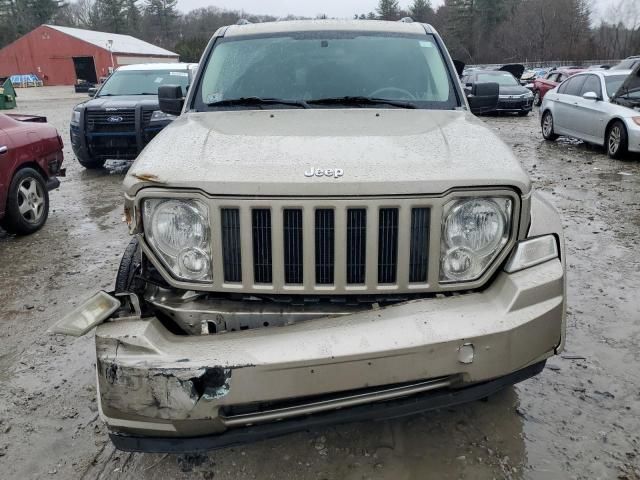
30	162
550	81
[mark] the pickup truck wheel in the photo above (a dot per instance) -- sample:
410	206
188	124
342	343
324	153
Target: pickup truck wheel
27	203
91	164
537	98
547	127
127	280
617	140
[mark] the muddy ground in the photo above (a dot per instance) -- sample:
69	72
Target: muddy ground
579	419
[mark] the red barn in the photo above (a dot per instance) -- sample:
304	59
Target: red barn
63	55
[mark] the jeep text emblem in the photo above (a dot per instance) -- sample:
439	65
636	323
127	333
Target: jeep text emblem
327	172
114	119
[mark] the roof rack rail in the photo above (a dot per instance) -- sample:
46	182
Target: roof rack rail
406	20
243	21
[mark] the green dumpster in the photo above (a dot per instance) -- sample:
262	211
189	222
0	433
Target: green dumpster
7	94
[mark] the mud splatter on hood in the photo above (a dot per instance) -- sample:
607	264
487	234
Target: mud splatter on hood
381	152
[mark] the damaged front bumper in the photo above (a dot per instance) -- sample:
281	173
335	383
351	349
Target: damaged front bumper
155	385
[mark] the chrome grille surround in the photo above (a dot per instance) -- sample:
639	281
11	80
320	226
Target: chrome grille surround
405	207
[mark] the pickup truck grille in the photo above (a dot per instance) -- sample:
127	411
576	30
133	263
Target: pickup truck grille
103	121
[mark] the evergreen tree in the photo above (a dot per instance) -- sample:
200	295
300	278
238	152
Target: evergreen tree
42	11
162	15
421	11
133	17
112	16
388	10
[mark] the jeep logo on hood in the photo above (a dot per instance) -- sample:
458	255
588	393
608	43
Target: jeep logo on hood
324	172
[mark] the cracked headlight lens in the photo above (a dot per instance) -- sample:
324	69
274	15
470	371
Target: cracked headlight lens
474	230
179	232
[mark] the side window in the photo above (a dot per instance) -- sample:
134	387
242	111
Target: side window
592	84
574	85
563	87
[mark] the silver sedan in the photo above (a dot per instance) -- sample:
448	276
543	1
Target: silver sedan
599	107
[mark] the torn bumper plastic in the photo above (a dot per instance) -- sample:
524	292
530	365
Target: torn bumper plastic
156	384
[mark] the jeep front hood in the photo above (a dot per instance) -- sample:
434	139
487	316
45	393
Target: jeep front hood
380	151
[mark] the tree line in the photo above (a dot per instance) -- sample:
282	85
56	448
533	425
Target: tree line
475	31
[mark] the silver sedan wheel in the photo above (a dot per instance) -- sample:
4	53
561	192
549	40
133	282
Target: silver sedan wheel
31	200
615	139
547	125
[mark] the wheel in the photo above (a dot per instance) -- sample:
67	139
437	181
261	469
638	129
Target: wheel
130	266
547	127
523	113
90	163
27	202
537	98
617	140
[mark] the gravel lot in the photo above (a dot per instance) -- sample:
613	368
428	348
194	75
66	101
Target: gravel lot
579	419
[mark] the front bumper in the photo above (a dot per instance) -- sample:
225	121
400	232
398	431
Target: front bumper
633	132
515	105
156	384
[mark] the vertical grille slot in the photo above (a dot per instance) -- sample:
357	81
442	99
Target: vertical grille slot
293	259
231	249
261	225
419	254
388	245
356	245
325	254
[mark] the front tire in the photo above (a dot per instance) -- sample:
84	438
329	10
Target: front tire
127	279
90	163
547	127
617	140
537	98
27	207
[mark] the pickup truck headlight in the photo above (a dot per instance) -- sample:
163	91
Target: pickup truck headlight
179	232
159	115
75	116
474	230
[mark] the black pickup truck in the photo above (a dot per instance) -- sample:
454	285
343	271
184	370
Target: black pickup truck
123	114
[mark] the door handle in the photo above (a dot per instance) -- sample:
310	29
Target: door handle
3	149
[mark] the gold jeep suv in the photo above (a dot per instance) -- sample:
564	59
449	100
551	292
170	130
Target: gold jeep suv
326	233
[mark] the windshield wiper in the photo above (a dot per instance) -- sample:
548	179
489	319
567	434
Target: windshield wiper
257	101
361	101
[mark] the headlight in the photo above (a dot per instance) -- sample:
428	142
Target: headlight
159	115
178	231
474	230
528	95
75	116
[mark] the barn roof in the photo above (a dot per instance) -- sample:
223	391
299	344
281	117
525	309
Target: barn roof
121	43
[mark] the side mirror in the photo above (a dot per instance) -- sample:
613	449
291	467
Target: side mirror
92	91
170	99
591	96
484	98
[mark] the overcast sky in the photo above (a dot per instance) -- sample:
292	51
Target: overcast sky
310	8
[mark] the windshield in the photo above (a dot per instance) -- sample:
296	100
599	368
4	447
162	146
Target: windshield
309	66
503	79
614	82
143	82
